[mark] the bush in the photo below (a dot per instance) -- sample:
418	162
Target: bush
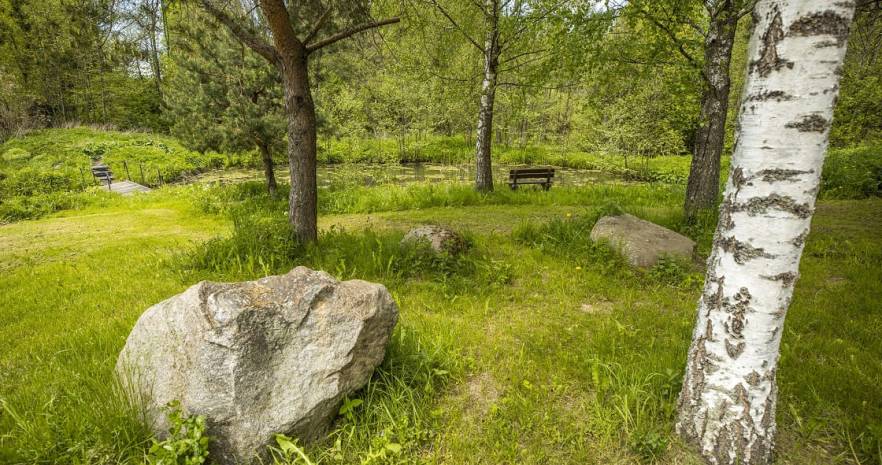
854	173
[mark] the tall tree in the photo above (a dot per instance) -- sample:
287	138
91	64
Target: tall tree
727	404
703	184
716	29
500	39
289	53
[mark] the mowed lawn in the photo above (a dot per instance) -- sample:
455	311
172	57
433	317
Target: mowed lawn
565	360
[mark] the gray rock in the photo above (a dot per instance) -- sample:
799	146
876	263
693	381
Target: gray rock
640	241
438	238
276	355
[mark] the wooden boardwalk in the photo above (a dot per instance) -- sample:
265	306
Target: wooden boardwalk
127	187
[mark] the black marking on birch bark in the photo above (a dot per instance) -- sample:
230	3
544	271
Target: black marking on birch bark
738	314
769	60
768	419
741	397
828	22
760	205
773	175
813	191
786	278
773	333
694	383
723	445
827	43
800	239
809	123
753	378
734	350
742	252
766	95
726	223
714	301
738	178
782	309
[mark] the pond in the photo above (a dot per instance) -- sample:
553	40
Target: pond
343	175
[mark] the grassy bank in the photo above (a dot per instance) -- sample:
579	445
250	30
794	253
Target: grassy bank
535	347
48	171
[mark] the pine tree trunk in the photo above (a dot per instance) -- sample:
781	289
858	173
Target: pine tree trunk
292	62
704	172
268	168
299	106
484	171
727	404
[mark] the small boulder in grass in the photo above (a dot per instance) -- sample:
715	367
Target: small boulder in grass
641	242
257	358
438	238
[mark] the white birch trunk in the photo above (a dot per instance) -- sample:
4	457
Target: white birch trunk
727	405
483	168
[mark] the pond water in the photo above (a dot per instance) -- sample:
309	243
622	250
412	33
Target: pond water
400	174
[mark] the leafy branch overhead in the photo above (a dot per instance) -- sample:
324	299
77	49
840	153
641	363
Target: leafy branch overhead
244	28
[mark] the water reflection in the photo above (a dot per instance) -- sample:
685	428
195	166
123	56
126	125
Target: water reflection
344	175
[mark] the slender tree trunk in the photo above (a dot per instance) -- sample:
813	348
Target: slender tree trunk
484	171
155	9
292	62
302	208
268	168
727	404
704	173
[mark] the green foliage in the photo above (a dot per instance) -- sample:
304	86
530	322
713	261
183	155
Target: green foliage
221	95
288	452
66	62
854	173
186	444
49	170
857	118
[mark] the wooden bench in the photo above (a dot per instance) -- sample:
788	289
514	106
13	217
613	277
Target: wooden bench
521	176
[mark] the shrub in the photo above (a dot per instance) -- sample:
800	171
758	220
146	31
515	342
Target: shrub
854	173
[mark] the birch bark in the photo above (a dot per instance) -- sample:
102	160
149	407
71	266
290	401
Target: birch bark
484	171
727	404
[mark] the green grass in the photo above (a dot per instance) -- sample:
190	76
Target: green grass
535	347
48	171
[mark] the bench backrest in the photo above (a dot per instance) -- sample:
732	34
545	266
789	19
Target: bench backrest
523	173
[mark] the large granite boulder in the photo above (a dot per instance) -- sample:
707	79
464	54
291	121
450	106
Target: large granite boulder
641	242
438	238
276	355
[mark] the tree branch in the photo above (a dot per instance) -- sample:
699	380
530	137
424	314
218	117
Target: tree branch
317	26
456	25
673	37
531	20
349	32
246	37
